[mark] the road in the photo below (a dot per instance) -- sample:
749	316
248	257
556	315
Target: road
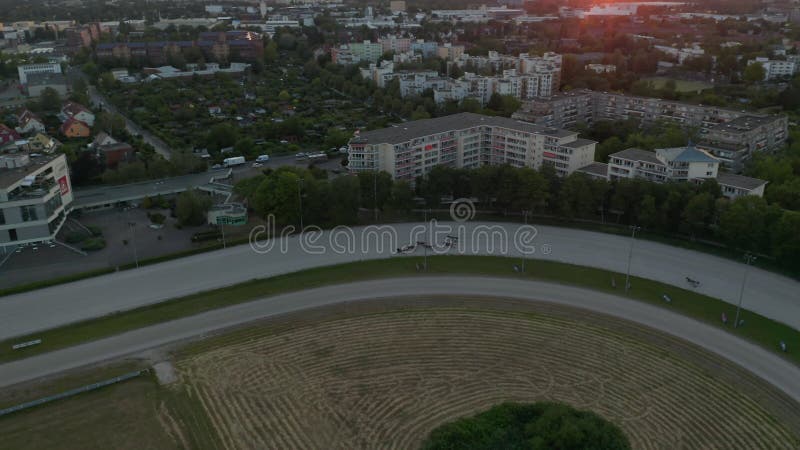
767	293
103	103
759	361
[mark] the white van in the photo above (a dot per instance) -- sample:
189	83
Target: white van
262	158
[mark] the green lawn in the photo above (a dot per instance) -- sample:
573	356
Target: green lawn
680	85
758	329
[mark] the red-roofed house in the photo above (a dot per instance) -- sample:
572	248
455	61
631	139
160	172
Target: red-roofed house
7	135
77	111
29	123
74	128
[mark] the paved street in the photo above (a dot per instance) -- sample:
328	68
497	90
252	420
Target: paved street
761	362
767	293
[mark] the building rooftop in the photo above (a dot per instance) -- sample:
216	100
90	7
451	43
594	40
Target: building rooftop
44	79
636	154
426	127
687	154
9	177
739	181
580	142
595	168
745	123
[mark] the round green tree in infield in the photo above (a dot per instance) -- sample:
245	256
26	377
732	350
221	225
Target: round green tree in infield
551	426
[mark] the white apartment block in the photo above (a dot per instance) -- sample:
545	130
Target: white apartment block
682	54
466	140
680	164
775	69
29	69
35	194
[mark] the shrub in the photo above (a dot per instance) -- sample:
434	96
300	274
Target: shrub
157	218
93	244
95	230
534	426
75	237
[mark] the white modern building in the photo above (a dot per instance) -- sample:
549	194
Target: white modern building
679	164
28	69
466	140
777	69
35	195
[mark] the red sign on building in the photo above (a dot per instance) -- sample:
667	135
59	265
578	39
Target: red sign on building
549	155
64	185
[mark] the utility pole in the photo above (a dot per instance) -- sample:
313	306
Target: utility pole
634	229
222	230
748	260
525	215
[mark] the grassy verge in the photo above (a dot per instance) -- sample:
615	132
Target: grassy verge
759	329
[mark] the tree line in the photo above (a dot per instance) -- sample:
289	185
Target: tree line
695	211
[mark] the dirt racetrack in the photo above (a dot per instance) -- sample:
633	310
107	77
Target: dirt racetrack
383	376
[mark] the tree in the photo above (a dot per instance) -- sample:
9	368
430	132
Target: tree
50	100
698	212
191	207
369	183
536	426
402	198
754	73
745	223
270	52
786	239
344	200
221	135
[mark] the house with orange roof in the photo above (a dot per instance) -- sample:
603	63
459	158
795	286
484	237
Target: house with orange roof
74	128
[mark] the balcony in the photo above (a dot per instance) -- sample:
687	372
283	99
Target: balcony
38	189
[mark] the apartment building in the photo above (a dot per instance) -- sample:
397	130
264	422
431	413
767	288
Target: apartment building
356	52
35	195
466	140
216	46
735	141
731	136
777	69
679	164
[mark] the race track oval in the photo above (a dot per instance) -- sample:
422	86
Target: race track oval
767	365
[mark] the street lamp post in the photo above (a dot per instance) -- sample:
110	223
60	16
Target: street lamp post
300	201
525	215
222	230
634	229
748	260
132	226
375	193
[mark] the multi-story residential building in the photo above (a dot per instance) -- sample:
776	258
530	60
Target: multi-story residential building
25	70
466	140
356	52
450	52
35	195
731	136
735	141
680	164
427	49
216	46
777	69
395	44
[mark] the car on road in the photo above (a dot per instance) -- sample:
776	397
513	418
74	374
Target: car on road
262	158
300	155
257	164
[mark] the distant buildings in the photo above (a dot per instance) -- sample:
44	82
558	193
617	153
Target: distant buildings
523	77
731	136
466	140
215	46
681	164
356	52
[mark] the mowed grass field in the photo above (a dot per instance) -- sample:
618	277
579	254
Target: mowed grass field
384	374
385	380
680	85
130	415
